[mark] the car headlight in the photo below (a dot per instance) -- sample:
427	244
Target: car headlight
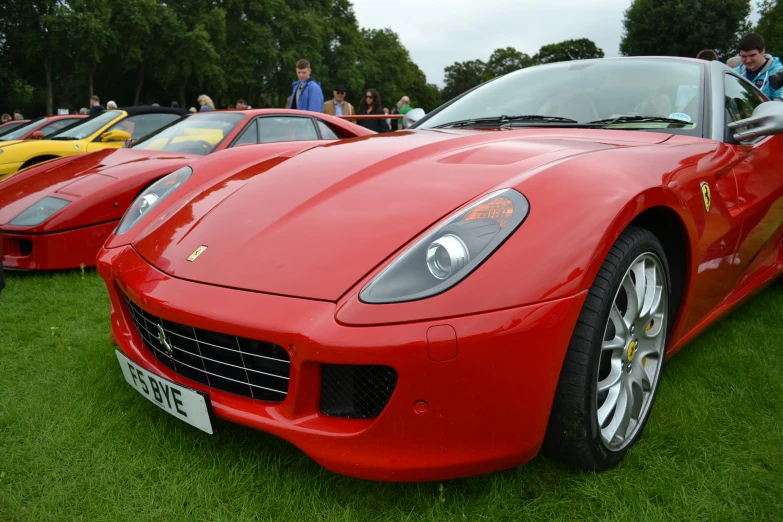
451	251
39	212
153	195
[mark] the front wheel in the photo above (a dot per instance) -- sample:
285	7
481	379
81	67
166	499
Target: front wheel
614	360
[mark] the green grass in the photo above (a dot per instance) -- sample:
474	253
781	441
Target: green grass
78	443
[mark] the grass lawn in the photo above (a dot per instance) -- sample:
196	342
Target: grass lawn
78	443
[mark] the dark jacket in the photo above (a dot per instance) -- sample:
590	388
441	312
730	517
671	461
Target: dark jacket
97	109
375	125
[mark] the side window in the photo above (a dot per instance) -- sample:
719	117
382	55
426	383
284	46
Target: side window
741	98
57	125
327	132
143	124
249	135
286	128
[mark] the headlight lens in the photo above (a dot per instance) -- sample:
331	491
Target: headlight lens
152	196
451	251
40	212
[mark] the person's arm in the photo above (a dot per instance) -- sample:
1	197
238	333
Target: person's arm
316	102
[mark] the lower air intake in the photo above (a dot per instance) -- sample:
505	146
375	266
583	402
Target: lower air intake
355	392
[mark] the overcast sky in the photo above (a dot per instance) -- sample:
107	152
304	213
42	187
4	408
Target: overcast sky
438	33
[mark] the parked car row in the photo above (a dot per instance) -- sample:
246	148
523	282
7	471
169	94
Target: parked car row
509	274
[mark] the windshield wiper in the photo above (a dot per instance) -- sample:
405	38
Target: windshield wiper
502	120
637	119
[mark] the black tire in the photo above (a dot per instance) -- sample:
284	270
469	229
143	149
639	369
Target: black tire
573	433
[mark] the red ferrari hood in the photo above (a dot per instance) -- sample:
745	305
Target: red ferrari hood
80	175
314	224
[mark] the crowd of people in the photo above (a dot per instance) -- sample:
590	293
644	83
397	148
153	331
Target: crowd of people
752	62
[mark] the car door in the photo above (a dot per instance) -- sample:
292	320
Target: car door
759	174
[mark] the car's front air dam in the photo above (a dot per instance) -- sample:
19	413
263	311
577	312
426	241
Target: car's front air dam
484	410
54	250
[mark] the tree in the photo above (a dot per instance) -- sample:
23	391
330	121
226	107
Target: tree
506	60
677	28
88	22
771	25
567	50
462	76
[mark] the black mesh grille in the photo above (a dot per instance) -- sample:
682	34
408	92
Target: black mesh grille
356	392
237	365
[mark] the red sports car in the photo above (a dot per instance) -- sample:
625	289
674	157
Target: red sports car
39	128
12	125
509	274
57	215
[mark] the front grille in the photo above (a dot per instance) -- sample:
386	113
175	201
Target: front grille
355	392
246	367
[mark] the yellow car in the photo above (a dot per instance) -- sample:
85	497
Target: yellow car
109	129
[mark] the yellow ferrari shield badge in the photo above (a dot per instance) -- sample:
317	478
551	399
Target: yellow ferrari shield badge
705	194
200	250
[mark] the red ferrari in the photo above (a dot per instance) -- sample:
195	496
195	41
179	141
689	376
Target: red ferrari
509	274
39	128
58	214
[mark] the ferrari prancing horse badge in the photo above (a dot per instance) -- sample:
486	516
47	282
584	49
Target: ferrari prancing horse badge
192	257
705	194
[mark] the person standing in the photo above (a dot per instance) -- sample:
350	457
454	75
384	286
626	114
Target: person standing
5	118
95	106
371	104
405	107
337	106
708	55
757	66
18	115
306	95
111	105
241	105
206	103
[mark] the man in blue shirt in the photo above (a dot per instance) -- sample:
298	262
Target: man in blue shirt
307	94
757	66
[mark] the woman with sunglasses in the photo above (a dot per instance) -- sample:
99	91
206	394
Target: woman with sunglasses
371	104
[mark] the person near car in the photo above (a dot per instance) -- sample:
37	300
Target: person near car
337	106
241	105
206	103
757	66
707	54
18	115
95	105
734	62
371	104
5	118
307	94
111	104
405	107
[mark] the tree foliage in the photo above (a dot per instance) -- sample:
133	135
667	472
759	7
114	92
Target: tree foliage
460	77
677	28
770	25
581	49
56	53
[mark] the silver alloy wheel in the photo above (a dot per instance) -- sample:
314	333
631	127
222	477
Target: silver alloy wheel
632	351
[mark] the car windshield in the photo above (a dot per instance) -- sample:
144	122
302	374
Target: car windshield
87	127
197	134
20	131
10	127
639	94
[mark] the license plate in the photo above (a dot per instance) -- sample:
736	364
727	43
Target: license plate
184	403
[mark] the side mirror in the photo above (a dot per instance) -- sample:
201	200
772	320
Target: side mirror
37	135
115	135
767	120
412	117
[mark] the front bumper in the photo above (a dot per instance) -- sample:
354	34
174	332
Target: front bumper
56	250
484	410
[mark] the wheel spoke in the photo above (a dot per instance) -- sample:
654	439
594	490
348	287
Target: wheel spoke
609	405
635	295
620	325
622	415
613	378
650	288
617	343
